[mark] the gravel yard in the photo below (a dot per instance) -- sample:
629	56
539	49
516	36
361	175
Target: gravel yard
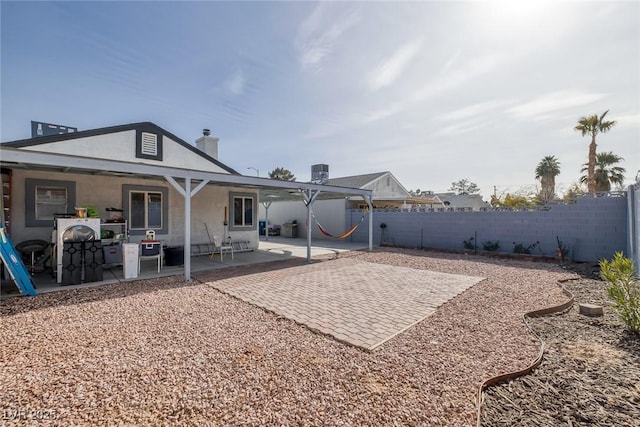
590	374
166	352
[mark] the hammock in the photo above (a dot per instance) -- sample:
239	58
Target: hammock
344	235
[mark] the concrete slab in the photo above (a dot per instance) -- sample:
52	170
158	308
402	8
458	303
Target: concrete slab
361	303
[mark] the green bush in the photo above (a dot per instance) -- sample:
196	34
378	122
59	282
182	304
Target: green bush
519	248
468	244
491	246
624	289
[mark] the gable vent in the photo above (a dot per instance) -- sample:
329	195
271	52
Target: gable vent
149	144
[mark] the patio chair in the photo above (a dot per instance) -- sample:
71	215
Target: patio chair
222	247
150	249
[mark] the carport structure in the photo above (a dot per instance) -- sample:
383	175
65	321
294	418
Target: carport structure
186	182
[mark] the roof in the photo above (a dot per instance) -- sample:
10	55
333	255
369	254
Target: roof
142	126
355	181
463	200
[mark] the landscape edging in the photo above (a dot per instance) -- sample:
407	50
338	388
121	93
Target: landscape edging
512	375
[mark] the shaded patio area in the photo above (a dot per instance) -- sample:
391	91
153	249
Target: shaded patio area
275	249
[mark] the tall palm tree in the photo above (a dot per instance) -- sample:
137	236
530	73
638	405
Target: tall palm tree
593	125
606	173
546	172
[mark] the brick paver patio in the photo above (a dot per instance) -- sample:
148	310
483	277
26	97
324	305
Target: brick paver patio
361	303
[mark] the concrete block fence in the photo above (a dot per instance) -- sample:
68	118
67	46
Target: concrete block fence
592	228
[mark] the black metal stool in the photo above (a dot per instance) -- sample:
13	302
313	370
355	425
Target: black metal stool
31	250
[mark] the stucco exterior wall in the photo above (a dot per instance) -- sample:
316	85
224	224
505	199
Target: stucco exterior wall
207	206
121	146
330	213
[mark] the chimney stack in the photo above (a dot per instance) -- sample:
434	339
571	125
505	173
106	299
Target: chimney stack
208	144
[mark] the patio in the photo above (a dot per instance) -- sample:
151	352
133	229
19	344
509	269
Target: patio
274	249
360	303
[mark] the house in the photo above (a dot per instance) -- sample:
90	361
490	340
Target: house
386	190
470	202
154	181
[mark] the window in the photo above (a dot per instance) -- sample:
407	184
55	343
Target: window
45	198
243	211
146	208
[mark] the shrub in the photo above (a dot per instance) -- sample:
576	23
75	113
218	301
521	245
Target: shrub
491	246
624	289
519	248
468	244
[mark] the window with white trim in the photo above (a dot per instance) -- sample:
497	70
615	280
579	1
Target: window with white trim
145	210
50	200
44	198
242	212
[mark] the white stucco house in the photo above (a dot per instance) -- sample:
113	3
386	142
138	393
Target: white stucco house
153	179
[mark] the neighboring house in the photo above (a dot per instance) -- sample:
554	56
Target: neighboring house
471	202
387	192
153	179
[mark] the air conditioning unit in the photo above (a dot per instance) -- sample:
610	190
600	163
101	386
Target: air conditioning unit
319	173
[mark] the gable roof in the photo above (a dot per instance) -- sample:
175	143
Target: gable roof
453	200
356	181
142	127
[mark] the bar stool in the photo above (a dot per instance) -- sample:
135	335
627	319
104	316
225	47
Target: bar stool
30	249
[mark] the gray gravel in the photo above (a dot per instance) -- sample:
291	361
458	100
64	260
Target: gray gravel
165	352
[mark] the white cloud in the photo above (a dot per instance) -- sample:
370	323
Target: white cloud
319	33
627	119
235	84
447	66
472	110
387	72
541	108
460	76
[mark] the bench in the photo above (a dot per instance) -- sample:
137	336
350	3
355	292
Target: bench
198	249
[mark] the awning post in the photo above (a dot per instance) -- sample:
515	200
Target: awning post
309	198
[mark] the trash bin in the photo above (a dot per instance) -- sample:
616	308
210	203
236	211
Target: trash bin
130	260
289	229
262	228
112	253
174	255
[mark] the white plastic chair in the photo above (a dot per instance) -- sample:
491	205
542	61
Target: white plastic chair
223	247
157	257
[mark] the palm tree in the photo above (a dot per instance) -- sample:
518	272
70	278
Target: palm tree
593	125
605	171
546	172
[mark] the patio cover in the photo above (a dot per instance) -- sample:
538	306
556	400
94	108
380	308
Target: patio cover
183	180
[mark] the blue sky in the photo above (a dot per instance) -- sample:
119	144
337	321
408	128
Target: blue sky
431	91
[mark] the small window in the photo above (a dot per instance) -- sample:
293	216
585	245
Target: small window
243	211
45	198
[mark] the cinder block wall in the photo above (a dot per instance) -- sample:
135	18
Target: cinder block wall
593	228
